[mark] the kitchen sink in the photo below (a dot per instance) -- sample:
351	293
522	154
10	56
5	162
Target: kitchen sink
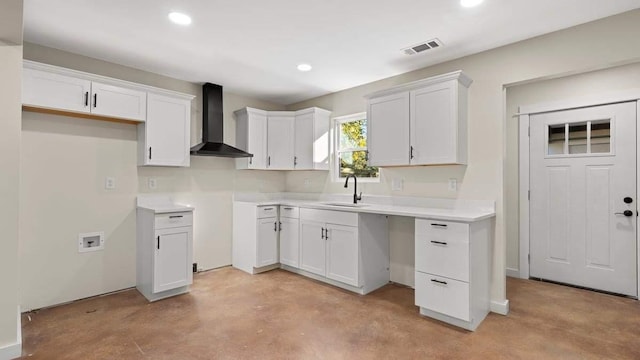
344	204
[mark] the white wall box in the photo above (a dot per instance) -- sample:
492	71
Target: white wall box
419	123
452	265
289	236
345	249
164	253
255	237
164	139
283	140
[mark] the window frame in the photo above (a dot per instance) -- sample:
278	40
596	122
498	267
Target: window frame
335	148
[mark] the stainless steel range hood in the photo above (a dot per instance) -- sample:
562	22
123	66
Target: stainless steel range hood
212	126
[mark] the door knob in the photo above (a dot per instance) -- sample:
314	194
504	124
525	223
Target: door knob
628	200
626	213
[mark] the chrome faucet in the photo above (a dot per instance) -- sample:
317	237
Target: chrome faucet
356	197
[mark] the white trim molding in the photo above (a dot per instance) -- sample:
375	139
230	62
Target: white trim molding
500	307
13	351
511	272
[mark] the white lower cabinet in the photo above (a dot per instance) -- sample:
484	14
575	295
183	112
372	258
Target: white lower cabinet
164	253
333	245
289	236
255	237
453	270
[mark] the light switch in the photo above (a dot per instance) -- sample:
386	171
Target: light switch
110	183
153	183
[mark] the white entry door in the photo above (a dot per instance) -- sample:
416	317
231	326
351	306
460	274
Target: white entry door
583	197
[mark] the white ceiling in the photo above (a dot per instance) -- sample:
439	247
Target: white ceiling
252	47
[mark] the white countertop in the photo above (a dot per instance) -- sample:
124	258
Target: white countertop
448	214
161	204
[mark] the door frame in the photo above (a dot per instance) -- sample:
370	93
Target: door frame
523	117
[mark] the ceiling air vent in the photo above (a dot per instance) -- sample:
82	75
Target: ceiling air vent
424	46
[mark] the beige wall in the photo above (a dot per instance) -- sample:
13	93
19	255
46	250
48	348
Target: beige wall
64	164
615	79
10	102
564	52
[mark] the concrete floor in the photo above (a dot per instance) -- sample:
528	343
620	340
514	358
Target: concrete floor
279	315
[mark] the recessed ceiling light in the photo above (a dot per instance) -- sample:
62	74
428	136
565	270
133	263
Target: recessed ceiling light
180	18
470	3
304	67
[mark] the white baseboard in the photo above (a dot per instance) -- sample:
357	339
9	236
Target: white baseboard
511	272
13	351
500	307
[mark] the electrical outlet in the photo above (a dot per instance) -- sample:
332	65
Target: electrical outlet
453	184
397	184
110	183
153	183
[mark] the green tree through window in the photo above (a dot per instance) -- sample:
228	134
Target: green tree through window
352	149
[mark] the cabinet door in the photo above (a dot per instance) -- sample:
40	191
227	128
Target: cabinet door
115	101
60	92
252	137
343	253
167	131
280	132
388	130
434	124
303	154
312	247
172	265
289	242
321	151
267	242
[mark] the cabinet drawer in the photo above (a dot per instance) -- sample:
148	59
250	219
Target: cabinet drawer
443	251
171	220
289	211
443	295
445	230
267	211
337	217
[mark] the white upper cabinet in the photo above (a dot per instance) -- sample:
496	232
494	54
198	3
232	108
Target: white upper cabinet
280	133
311	150
251	136
115	101
164	139
55	91
283	140
388	127
420	123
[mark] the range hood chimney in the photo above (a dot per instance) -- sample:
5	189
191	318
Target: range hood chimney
212	126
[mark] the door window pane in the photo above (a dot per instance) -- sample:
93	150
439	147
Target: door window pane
578	138
556	139
601	136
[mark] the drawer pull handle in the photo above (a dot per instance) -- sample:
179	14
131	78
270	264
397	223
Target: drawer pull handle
438	242
267	209
288	208
439	225
439	281
176	216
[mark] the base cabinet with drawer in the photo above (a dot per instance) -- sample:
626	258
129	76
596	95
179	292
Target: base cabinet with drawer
255	237
345	249
452	270
164	253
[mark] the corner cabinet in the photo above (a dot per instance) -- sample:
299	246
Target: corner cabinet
164	253
164	139
419	123
283	140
